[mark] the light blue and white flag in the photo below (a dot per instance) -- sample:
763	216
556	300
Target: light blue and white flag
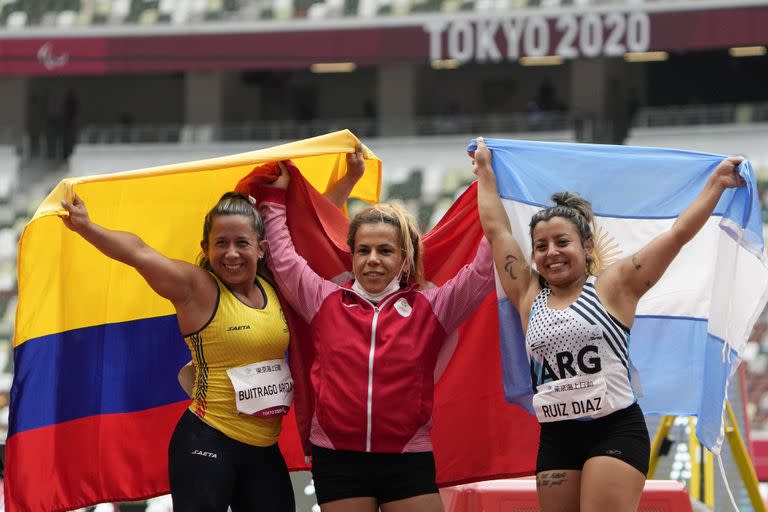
691	327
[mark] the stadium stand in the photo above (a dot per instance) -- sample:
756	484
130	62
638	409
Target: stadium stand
17	14
9	166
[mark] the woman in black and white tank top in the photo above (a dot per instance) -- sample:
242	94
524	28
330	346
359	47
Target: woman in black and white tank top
594	445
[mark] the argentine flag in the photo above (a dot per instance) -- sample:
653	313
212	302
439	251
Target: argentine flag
691	327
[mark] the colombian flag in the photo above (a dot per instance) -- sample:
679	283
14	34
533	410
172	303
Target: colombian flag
95	398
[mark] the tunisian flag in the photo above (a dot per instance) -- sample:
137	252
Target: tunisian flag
476	434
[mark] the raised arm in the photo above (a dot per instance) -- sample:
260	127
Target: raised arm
629	278
460	296
339	193
514	272
175	280
300	285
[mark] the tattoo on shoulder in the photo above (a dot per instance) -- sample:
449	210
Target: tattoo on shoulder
550	479
510	259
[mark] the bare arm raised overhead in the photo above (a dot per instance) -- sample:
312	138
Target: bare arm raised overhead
339	193
187	286
515	274
625	282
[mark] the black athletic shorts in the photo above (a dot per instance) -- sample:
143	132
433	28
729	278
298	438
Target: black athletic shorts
210	472
569	444
340	474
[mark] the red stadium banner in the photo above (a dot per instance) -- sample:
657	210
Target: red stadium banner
478	38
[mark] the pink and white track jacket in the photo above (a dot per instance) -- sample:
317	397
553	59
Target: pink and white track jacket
373	374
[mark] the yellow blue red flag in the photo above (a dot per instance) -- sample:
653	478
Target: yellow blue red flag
96	351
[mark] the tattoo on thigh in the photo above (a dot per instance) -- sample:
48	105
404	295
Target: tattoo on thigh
550	479
508	265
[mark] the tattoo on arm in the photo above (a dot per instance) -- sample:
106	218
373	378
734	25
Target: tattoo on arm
550	479
638	265
508	265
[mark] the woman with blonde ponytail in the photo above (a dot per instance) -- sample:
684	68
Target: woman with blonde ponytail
376	340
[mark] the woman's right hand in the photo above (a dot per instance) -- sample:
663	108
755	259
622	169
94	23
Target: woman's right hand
78	219
356	163
284	179
481	157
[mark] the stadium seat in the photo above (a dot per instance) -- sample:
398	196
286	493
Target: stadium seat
743	114
410	189
317	10
103	12
449	6
166	9
350	7
6	8
426	5
84	13
119	10
66	19
16	20
18	14
148	17
213	10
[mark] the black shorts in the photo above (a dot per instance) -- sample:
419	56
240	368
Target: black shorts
210	472
569	444
340	474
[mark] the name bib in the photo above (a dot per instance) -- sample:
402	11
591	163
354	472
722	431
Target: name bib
263	389
569	399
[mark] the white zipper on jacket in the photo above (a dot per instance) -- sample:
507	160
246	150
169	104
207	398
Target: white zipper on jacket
368	424
374	325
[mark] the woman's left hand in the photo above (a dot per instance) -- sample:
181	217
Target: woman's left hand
284	178
726	173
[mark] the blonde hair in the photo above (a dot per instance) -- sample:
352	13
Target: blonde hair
407	228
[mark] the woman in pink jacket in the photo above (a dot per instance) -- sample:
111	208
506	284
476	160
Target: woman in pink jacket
376	340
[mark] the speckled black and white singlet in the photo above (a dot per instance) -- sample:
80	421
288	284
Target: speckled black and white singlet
575	346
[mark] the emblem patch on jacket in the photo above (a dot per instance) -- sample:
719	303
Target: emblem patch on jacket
403	307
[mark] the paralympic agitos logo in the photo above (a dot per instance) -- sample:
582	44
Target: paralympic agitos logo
46	57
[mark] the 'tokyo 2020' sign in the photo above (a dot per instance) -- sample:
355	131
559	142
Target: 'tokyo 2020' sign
510	37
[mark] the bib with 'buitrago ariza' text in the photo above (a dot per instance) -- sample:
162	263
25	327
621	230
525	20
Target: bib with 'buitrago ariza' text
570	399
263	389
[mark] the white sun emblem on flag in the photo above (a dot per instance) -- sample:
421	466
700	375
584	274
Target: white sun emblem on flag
607	250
